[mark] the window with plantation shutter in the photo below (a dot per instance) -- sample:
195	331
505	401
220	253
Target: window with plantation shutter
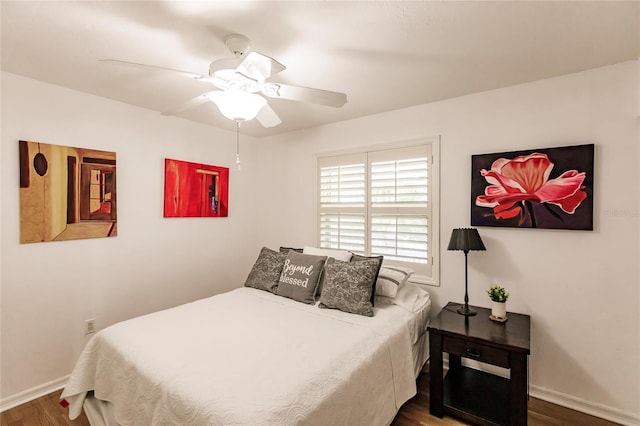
382	202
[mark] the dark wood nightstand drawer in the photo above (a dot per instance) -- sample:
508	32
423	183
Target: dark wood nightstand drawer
476	351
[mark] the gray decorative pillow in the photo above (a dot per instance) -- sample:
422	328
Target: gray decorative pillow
266	271
344	255
348	286
359	258
300	276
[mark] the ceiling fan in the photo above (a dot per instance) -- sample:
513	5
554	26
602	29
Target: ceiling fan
242	83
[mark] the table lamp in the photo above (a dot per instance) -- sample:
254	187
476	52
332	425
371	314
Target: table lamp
465	239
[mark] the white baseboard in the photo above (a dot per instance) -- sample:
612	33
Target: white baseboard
588	407
33	393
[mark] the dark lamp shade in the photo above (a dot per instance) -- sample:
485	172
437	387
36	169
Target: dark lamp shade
465	239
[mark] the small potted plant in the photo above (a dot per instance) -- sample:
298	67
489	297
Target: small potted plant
498	296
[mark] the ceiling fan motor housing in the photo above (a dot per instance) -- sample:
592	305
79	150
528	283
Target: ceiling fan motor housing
238	44
224	64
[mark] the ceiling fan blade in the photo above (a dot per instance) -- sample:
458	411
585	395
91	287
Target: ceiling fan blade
259	67
190	104
307	94
268	117
145	66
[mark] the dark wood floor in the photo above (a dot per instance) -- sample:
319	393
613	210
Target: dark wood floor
541	413
46	411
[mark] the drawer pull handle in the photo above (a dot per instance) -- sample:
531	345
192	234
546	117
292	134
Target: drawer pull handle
473	352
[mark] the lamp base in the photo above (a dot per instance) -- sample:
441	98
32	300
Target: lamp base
464	310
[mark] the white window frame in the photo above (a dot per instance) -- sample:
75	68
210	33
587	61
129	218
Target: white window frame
433	205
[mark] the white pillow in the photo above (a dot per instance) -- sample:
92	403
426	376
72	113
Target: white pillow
412	298
390	279
342	255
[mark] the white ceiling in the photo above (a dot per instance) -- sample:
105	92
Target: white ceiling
384	55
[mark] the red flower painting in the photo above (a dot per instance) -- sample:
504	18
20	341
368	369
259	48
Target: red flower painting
518	187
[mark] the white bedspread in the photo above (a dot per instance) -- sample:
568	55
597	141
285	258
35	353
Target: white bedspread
248	357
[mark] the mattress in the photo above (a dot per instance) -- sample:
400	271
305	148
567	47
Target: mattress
250	357
417	301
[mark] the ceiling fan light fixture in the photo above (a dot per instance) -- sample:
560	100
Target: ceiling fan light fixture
237	106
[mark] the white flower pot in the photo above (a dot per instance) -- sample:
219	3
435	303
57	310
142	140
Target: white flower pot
499	309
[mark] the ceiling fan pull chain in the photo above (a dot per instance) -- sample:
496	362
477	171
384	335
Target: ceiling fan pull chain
238	143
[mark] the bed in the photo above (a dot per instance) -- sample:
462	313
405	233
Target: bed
251	357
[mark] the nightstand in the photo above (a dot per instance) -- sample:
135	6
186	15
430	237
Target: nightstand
471	394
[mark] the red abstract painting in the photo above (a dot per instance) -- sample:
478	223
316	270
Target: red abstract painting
195	190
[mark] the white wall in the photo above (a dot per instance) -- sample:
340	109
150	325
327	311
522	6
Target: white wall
580	288
49	289
585	342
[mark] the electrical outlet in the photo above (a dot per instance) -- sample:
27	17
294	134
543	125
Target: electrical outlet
90	326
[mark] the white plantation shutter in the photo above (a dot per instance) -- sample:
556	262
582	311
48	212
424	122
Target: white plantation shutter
399	182
343	202
400	237
343	231
378	203
399	210
343	184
